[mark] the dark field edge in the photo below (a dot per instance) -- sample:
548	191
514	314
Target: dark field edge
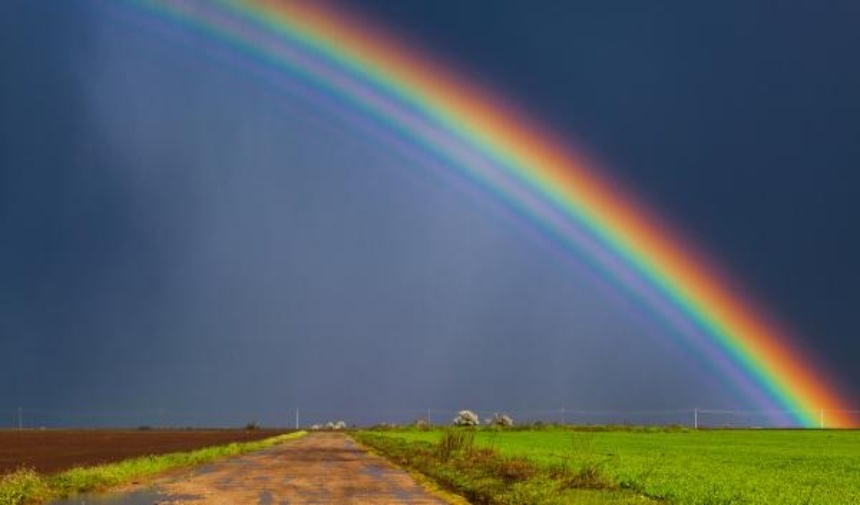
51	451
485	477
27	487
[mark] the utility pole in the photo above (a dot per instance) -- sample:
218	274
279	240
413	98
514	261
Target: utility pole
297	418
428	416
696	418
20	419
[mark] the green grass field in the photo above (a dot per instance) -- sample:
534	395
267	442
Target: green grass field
756	467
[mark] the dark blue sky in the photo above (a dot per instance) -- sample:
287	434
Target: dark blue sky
176	236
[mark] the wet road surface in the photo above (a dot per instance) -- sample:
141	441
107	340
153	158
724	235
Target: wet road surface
321	468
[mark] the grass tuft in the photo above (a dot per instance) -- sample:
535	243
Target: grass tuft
455	441
589	477
22	486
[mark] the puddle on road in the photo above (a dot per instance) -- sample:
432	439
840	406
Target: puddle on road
265	498
141	497
374	470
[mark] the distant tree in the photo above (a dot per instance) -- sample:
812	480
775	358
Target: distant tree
466	418
501	420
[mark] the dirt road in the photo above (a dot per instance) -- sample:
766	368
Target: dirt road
321	468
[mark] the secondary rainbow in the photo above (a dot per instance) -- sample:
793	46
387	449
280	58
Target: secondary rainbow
485	139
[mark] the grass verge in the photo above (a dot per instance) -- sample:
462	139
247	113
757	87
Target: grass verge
26	486
445	494
485	477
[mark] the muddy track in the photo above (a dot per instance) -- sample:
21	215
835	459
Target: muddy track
321	468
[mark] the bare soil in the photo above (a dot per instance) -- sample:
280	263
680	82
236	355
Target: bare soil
51	451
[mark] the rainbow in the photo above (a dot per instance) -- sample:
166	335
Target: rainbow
463	128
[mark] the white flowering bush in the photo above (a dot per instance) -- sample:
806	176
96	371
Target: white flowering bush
501	420
466	418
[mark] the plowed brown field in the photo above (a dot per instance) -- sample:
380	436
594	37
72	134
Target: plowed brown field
55	450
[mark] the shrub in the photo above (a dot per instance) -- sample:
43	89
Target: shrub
330	426
466	418
501	420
